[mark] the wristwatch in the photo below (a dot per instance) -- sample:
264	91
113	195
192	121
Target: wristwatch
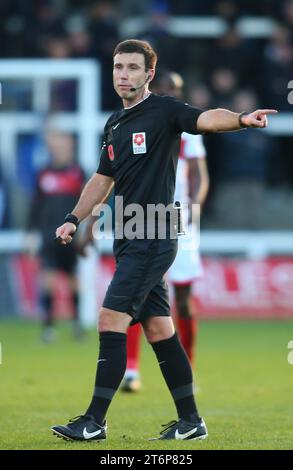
72	219
241	125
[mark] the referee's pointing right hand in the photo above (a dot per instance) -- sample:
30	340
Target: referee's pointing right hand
258	118
65	232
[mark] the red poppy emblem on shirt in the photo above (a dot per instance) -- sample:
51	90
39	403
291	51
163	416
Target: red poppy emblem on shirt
138	139
111	152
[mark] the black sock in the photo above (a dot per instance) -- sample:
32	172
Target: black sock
177	373
47	306
110	372
75	299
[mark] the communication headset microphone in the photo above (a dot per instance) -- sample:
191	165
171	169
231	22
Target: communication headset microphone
137	88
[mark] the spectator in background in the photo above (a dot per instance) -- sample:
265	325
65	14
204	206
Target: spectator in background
58	187
57	46
244	162
277	69
223	85
199	96
43	19
227	51
63	92
79	37
287	16
171	55
103	28
226	9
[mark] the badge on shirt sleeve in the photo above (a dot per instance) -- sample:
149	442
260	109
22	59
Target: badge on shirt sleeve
139	143
111	152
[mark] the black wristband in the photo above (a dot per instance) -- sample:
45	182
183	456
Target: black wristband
72	219
241	125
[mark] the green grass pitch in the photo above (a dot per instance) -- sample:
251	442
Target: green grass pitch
244	378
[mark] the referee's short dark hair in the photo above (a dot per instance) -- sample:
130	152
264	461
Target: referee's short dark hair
141	47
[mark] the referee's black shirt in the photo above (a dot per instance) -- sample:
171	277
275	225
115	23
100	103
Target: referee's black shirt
141	146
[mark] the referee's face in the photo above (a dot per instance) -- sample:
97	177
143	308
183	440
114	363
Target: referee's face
129	72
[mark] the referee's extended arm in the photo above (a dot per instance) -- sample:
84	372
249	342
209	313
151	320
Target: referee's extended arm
95	192
221	120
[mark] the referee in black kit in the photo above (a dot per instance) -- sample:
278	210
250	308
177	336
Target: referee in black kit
139	156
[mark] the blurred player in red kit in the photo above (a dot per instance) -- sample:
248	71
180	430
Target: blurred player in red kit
58	187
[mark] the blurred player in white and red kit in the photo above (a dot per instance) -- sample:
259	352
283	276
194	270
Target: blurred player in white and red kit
192	183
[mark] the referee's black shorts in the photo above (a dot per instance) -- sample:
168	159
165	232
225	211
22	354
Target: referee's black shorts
138	287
